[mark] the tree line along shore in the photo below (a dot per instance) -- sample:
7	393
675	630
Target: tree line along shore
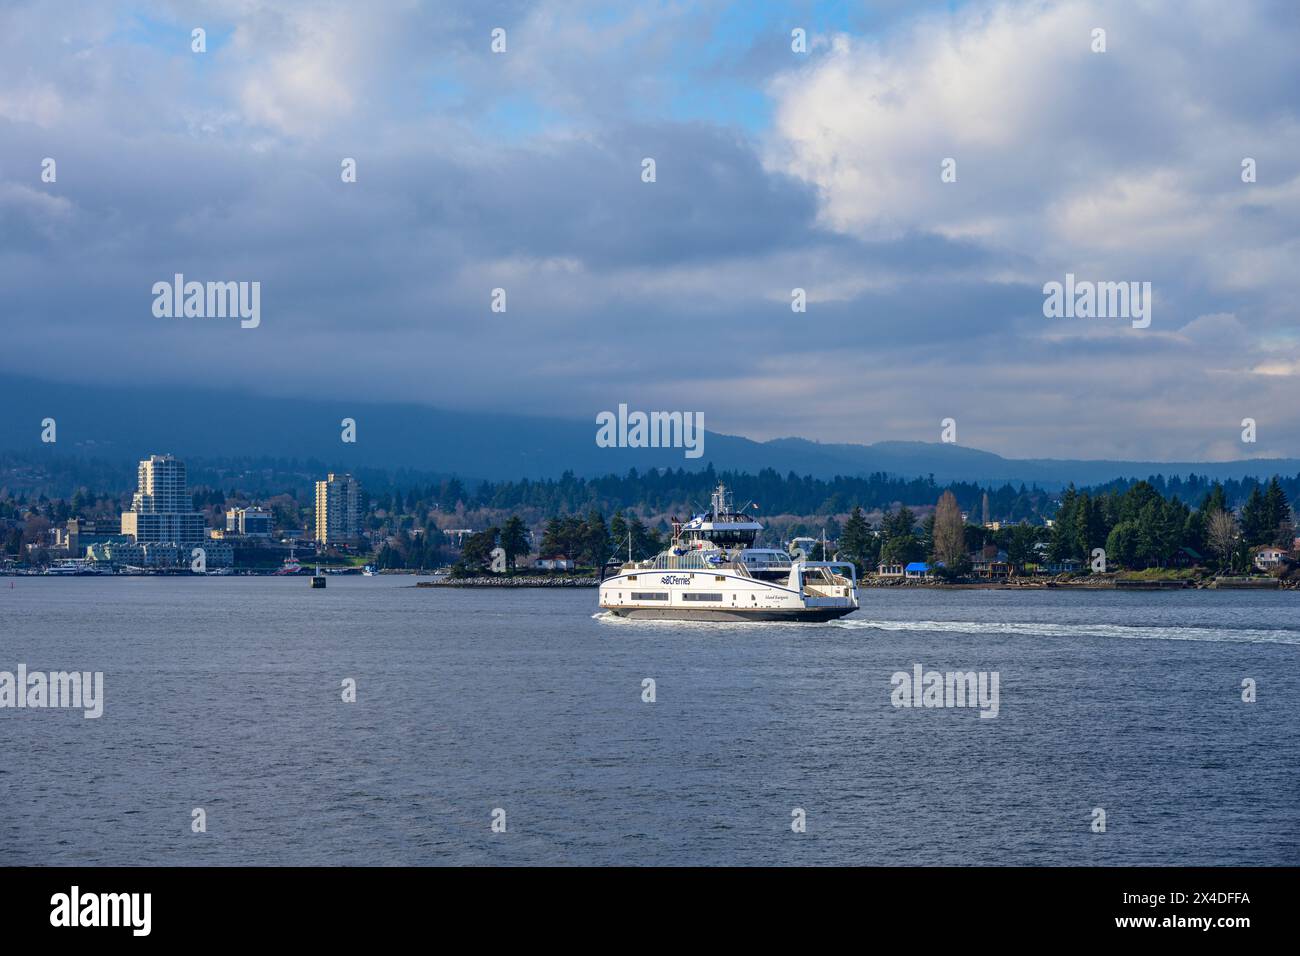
1130	538
1163	527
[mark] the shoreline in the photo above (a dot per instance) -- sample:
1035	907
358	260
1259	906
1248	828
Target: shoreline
516	582
1096	584
1237	583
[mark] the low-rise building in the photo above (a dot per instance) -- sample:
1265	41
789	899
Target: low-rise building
80	533
116	553
1064	566
249	522
990	563
1268	557
554	562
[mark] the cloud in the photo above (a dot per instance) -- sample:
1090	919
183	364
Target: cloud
774	171
1109	162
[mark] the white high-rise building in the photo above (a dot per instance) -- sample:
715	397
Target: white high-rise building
161	510
337	510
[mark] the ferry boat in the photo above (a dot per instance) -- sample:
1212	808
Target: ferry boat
713	572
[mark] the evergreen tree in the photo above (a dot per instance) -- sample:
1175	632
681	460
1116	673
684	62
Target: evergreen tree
1019	541
646	543
1256	519
514	540
1214	500
619	532
899	544
1065	542
1277	514
857	543
596	545
476	553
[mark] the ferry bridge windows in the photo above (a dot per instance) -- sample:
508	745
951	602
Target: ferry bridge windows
725	538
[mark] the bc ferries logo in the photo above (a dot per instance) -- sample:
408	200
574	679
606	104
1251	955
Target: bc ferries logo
672	579
651	430
212	300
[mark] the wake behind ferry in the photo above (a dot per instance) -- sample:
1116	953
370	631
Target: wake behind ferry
713	572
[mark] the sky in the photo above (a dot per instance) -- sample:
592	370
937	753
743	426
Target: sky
775	170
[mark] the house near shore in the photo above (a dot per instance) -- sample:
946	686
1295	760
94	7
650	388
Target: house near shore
990	563
1268	557
889	570
1044	565
1186	558
1064	566
554	562
917	571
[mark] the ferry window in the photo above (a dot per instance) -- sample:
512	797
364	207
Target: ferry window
649	595
719	577
631	577
701	597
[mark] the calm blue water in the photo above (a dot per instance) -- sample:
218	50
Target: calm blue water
224	693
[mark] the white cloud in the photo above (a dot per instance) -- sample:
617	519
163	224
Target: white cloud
1101	161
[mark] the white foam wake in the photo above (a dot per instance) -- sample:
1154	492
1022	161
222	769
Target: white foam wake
1124	631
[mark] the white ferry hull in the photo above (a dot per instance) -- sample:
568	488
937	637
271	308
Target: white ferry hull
726	596
806	615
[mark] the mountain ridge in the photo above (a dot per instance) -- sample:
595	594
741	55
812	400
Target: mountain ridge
131	421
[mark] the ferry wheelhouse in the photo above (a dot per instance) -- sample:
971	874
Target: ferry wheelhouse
713	572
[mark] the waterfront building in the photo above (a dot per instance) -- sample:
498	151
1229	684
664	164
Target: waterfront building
162	529
79	534
249	522
1269	557
115	553
161	510
337	510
